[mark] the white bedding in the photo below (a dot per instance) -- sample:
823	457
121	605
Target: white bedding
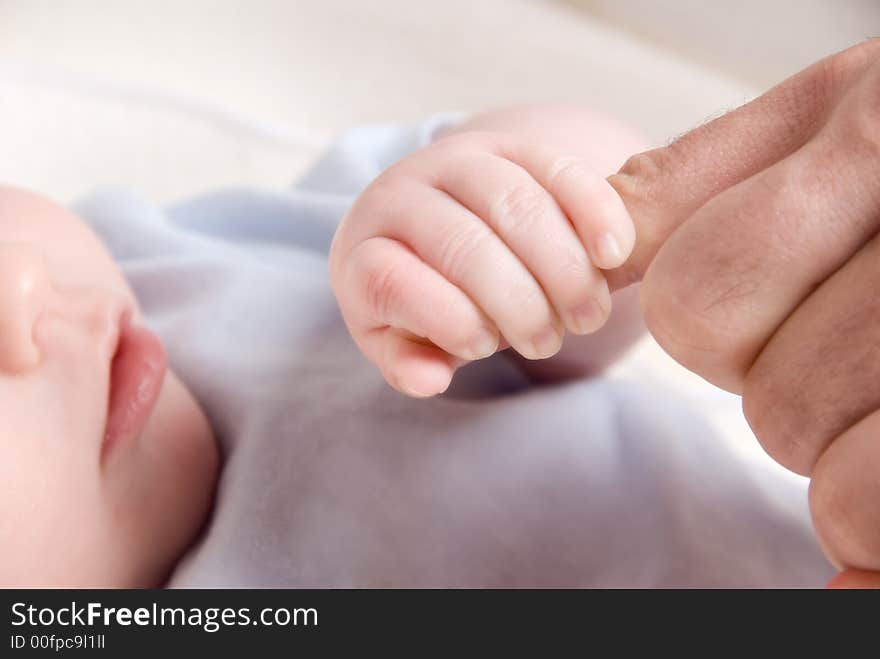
175	98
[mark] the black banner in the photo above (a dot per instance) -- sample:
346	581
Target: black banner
124	623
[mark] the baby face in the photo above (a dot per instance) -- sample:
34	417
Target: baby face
107	464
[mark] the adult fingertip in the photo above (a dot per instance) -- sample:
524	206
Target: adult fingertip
855	579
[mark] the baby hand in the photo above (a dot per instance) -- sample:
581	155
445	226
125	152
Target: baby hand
478	241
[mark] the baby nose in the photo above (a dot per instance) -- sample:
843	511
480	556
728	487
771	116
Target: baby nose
24	288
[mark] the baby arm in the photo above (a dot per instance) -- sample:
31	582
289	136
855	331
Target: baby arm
492	236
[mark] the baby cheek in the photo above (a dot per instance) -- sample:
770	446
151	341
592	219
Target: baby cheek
179	440
51	517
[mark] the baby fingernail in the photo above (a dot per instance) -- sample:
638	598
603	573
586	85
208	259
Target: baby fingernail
609	253
426	383
484	345
546	342
586	317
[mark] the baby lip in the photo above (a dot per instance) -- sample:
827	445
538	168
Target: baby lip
110	321
137	371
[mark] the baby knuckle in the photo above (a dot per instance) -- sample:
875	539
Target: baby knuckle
530	306
468	140
384	199
383	289
575	270
474	340
566	168
378	192
460	336
522	308
522	208
461	249
572	279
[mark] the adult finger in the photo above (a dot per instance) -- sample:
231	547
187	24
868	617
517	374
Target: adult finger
845	497
728	277
849	579
817	376
662	188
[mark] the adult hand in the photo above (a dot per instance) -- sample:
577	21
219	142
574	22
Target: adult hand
761	265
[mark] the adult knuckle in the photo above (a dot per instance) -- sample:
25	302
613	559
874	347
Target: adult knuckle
773	411
703	333
861	115
840	68
853	72
675	307
681	333
727	295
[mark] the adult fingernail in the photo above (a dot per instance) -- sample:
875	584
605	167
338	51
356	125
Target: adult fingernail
609	253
